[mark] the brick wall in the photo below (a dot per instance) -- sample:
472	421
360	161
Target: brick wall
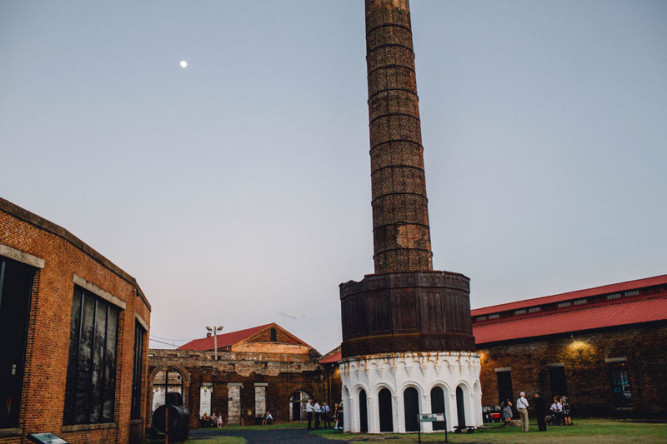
586	372
283	374
48	340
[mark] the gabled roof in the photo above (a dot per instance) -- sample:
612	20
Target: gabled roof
332	357
605	289
224	340
586	318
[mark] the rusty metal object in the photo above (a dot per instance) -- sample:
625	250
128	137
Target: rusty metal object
406	312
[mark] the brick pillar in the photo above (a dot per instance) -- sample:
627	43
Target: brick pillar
260	398
234	402
401	235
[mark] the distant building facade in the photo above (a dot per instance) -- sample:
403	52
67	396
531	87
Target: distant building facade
258	369
75	337
605	348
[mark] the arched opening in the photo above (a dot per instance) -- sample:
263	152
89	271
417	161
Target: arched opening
411	404
386	413
363	412
460	407
298	401
438	406
167	388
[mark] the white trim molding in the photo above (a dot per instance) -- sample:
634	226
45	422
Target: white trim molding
141	321
81	282
21	256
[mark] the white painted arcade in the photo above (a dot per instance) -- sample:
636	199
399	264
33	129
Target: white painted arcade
384	392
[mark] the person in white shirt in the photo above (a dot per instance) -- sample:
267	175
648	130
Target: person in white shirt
522	407
309	411
318	414
557	410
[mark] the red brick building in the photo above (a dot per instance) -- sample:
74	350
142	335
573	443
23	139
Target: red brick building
75	328
604	347
257	369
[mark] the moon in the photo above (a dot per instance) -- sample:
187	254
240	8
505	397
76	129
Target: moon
184	64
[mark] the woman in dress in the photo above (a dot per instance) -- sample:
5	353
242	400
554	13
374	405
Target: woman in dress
507	410
567	411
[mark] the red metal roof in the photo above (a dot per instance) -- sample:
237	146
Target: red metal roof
224	340
333	358
605	289
608	315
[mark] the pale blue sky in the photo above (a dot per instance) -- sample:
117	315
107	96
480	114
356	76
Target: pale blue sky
237	191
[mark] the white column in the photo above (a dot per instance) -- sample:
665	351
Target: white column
350	423
260	398
453	414
371	414
205	394
427	427
234	402
400	413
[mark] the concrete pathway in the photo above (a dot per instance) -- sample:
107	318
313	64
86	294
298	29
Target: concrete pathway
265	436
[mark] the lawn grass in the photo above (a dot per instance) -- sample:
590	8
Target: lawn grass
584	431
605	431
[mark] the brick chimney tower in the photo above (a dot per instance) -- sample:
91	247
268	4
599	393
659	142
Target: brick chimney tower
407	345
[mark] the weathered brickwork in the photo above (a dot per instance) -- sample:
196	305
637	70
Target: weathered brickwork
278	375
584	355
48	339
400	213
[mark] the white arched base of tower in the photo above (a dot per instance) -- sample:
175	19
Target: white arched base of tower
423	371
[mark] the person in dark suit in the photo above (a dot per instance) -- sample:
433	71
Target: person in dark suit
541	408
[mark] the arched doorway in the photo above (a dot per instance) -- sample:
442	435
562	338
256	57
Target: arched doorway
438	406
167	387
460	407
386	413
411	404
363	412
297	401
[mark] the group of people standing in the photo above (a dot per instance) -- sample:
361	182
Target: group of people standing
320	413
560	410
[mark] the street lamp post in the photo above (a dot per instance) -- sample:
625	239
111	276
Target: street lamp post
215	329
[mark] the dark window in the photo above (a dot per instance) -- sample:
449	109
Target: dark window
620	384
557	380
15	290
138	370
505	386
386	414
460	407
273	335
363	413
411	405
438	406
91	371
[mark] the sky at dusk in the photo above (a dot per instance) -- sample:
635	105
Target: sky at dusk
237	190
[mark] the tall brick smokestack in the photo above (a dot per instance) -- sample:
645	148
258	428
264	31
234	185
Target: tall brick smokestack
401	234
406	328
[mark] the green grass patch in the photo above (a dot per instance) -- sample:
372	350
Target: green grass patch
584	431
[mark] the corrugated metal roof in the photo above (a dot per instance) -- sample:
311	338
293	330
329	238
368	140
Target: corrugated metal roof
333	358
605	289
224	340
585	318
